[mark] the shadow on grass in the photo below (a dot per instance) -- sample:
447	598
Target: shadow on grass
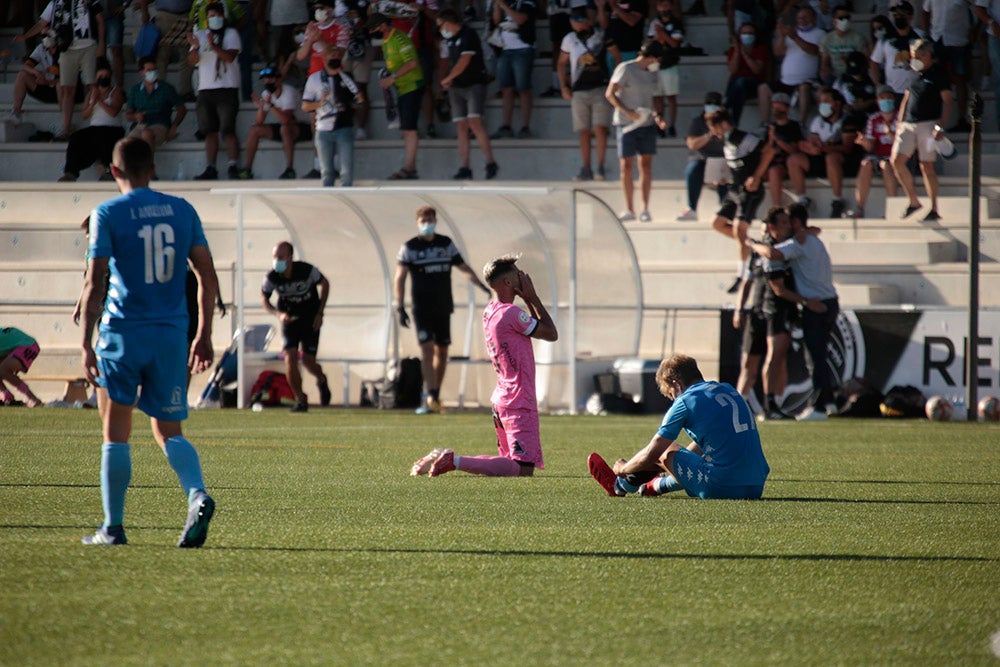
877	501
942	482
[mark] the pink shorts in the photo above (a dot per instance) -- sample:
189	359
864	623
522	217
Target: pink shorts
25	354
517	435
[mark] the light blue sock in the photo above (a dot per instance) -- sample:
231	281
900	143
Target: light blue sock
116	473
184	460
667	484
623	485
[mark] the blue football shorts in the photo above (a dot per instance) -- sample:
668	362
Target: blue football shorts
694	474
148	363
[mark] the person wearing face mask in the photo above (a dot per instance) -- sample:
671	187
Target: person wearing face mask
798	47
150	105
582	53
429	257
891	57
749	64
925	109
215	50
302	293
703	146
858	91
326	30
285	19
465	82
285	102
830	148
174	23
331	95
404	71
238	14
667	28
838	44
880	29
877	141
631	90
784	134
102	108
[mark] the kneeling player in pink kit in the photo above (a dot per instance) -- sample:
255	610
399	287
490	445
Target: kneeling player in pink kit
508	331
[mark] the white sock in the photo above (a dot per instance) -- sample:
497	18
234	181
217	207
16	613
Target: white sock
743	268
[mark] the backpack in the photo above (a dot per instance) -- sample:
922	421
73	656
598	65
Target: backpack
905	401
271	388
146	41
402	385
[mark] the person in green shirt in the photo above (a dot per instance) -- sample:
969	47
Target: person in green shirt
403	72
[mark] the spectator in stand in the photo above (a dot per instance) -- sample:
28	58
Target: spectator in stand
668	29
114	33
80	23
285	102
465	81
925	109
174	23
630	92
625	25
558	13
39	77
332	94
948	23
880	28
749	65
703	145
215	50
891	57
149	107
988	12
831	150
403	65
760	13
358	60
838	44
583	51
102	107
876	141
284	18
238	15
784	135
798	46
516	22
417	20
857	89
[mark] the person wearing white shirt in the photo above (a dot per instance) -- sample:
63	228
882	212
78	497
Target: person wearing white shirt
891	56
214	50
293	124
798	45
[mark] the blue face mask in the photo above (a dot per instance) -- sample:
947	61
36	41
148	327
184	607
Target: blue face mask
887	105
280	265
216	22
427	229
825	109
726	136
748	39
711	108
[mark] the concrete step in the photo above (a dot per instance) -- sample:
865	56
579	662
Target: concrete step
863	294
895	252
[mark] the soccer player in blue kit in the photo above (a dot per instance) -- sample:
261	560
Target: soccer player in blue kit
144	239
724	460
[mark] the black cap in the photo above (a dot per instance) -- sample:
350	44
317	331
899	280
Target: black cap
652	49
713	97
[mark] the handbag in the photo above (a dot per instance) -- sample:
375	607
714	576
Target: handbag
146	40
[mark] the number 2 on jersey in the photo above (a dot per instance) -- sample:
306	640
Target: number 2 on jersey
159	253
727	400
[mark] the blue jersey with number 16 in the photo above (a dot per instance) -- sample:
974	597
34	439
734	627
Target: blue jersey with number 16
719	420
148	236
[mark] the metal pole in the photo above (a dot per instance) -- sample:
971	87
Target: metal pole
240	311
572	303
975	168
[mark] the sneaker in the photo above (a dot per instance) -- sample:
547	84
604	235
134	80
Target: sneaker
772	415
807	202
524	133
442	464
66	178
603	474
245	174
423	465
585	175
210	174
432	132
645	217
648	490
424	409
324	392
300	406
837	208
404	175
287	174
463	174
600	176
200	511
313	174
626	216
435	406
551	92
233	172
503	133
811	415
732	289
858	213
491	170
690	215
360	134
16	117
932	216
910	210
107	536
831	409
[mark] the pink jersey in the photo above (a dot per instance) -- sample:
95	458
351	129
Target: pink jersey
508	330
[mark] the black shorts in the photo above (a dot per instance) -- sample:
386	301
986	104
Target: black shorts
46	94
305	132
741	205
780	321
559	27
433	326
755	335
409	108
300	332
217	110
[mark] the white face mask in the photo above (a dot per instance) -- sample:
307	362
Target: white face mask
322	15
843	25
917	65
653	67
150	75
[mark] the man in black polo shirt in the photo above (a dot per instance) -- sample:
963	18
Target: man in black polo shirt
925	109
302	293
429	257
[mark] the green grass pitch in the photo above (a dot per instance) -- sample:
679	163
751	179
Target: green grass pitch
877	543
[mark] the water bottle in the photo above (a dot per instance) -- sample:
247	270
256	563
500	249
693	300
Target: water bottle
181	174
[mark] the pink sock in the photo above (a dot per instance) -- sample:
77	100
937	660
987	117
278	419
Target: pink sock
494	466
